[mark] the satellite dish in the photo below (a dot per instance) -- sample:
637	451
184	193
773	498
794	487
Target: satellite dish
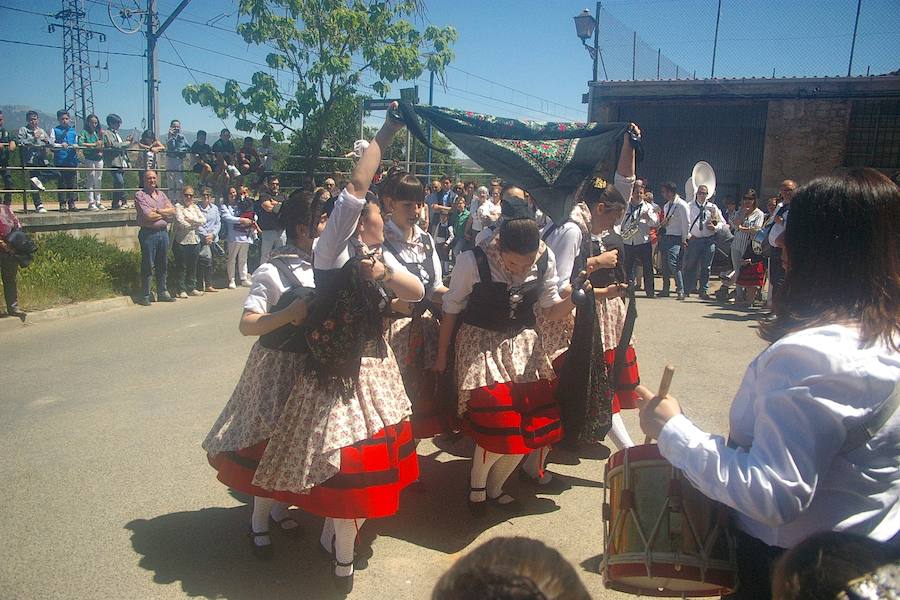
126	16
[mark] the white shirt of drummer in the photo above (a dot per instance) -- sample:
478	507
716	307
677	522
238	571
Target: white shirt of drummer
790	417
465	275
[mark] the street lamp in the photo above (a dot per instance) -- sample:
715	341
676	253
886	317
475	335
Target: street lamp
586	25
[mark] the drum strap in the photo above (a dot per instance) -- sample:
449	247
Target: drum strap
864	432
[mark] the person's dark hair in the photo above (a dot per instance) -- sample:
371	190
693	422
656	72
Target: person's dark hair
248	139
597	190
201	132
61	112
371	199
113	118
446	178
751	194
822	565
841	242
669	186
148	134
401	186
301	208
520	236
225	130
87	122
511	568
31	113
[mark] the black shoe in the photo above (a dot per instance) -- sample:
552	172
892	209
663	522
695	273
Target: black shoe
476	509
343	585
664	294
261	552
73	208
651	295
704	296
681	296
63	208
143	301
164	297
16	312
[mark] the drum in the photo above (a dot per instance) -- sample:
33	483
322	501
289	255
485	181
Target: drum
662	536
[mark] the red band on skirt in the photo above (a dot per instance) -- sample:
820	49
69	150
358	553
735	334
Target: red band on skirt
372	475
625	395
752	275
513	418
429	416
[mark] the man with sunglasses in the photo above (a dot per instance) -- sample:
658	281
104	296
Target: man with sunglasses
699	249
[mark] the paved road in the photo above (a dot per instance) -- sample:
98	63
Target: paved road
107	494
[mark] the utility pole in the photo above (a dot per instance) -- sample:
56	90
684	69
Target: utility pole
153	35
430	103
78	91
712	74
853	43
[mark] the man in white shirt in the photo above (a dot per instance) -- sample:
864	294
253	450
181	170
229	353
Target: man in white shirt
700	247
673	232
638	247
776	270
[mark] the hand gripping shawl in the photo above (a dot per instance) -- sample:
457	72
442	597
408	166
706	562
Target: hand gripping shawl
550	160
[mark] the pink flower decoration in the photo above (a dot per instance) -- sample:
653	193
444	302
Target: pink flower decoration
562	127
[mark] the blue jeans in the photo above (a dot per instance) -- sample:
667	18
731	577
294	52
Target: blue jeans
670	248
697	260
154	259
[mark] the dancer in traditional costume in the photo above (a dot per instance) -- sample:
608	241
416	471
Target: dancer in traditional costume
250	418
569	242
413	334
503	374
340	446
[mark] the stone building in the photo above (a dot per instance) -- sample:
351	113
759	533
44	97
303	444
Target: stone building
757	132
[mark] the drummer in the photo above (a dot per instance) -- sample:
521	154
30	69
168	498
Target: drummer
799	460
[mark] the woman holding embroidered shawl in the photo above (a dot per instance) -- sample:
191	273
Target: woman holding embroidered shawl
502	371
340	444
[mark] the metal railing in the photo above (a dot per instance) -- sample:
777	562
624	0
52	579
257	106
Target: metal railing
218	180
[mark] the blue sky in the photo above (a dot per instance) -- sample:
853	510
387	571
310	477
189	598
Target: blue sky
517	58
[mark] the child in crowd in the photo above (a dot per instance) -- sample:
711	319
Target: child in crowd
90	140
64	140
443	239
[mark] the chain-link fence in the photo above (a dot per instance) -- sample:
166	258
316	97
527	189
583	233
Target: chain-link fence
678	39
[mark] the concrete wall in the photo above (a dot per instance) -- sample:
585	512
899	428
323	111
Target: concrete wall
804	139
116	227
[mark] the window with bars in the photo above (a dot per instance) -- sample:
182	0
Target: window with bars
873	139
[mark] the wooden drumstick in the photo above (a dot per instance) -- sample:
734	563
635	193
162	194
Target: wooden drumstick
664	384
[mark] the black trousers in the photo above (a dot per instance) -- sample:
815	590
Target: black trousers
755	563
185	266
644	254
67	181
8	268
776	272
7	184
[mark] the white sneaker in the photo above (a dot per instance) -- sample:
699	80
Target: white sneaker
182	294
246	283
231	286
38	184
93	207
41	209
100	206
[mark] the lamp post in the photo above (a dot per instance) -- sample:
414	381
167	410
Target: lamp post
586	25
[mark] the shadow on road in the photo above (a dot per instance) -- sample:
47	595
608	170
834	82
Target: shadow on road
734	314
207	551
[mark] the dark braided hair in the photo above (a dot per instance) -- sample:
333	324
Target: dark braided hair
300	209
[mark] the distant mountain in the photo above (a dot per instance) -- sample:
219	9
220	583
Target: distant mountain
14	116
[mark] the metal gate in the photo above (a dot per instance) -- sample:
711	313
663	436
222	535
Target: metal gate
730	136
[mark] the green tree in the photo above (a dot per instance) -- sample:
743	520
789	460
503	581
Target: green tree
327	45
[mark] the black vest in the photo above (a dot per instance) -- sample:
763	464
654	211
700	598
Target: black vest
494	306
600	278
424	271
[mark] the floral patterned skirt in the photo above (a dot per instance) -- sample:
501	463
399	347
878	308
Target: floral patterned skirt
415	342
305	437
506	385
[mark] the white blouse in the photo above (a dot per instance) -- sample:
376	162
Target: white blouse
465	276
266	286
413	251
788	479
